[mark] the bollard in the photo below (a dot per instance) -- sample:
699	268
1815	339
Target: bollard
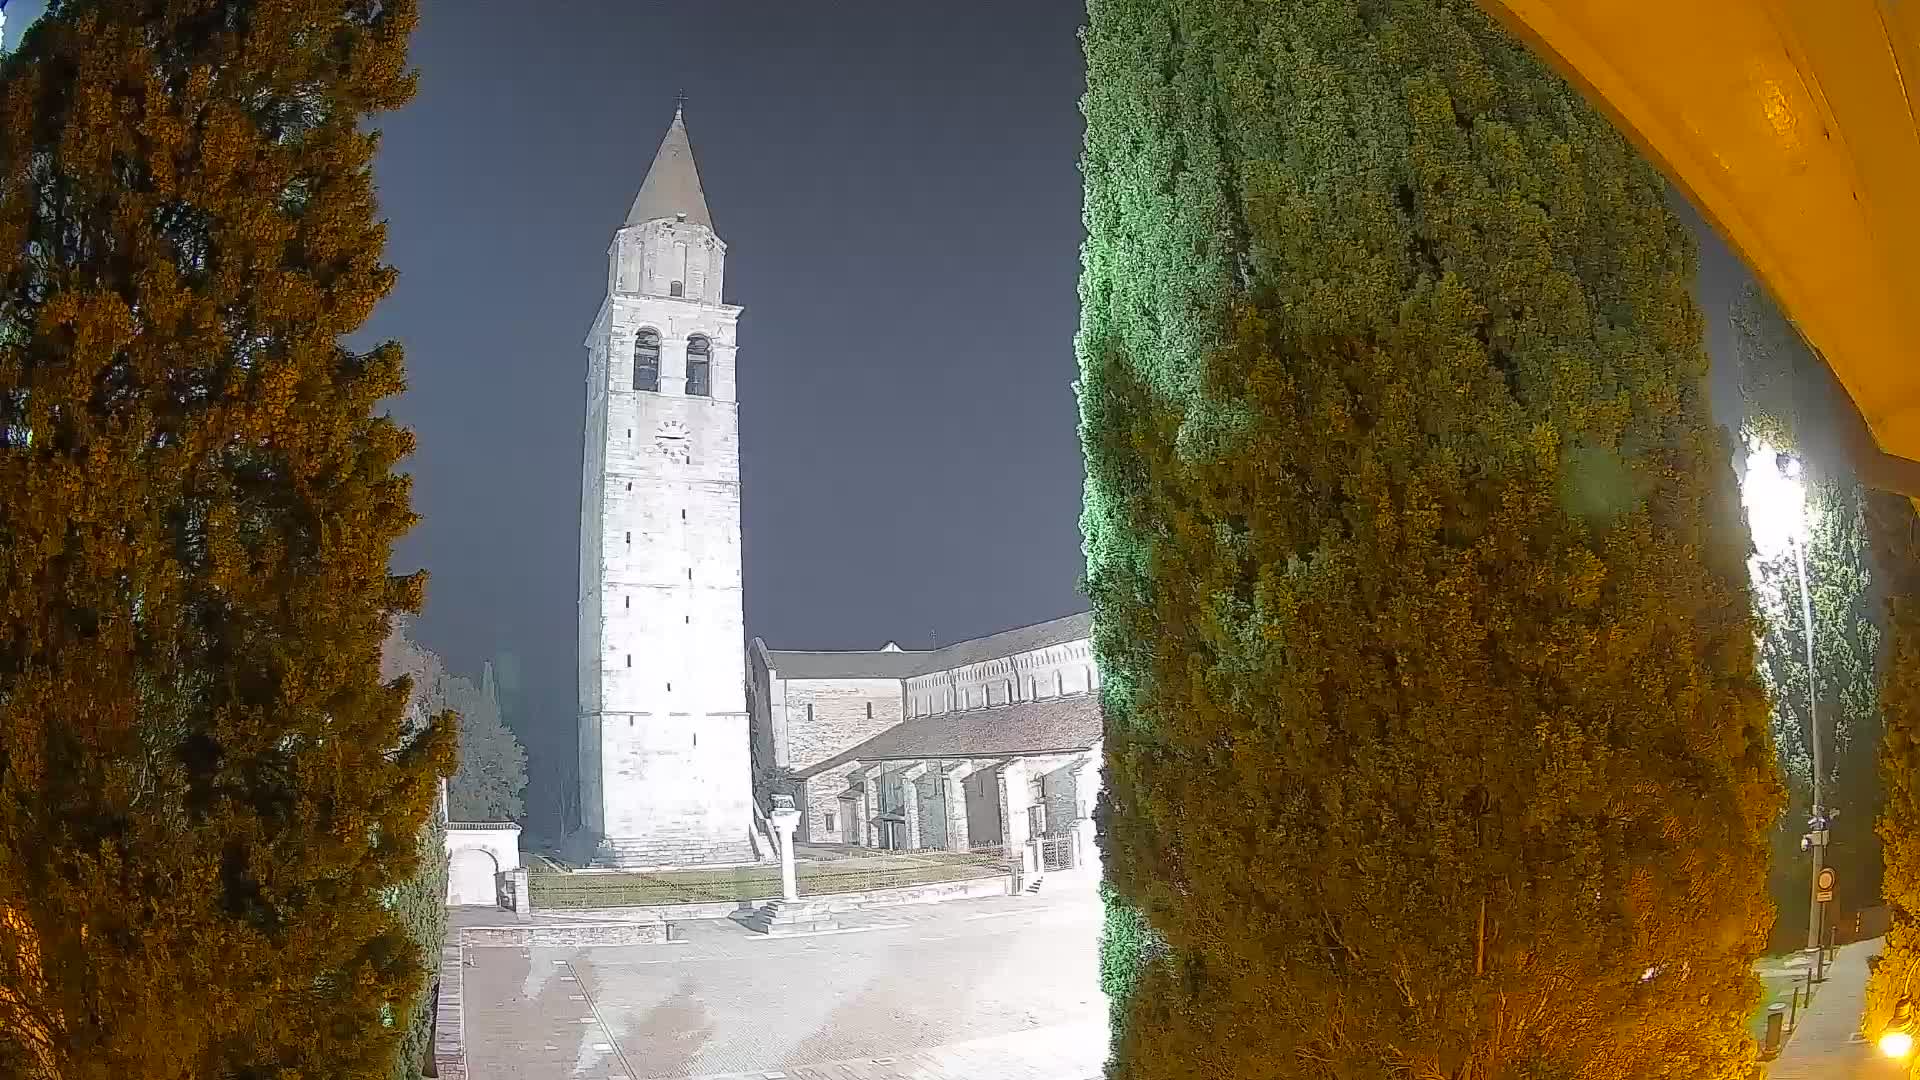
1776	1026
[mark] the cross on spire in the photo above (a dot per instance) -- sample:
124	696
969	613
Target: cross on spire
679	103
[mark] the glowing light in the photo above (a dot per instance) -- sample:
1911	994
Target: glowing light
1776	500
1896	1044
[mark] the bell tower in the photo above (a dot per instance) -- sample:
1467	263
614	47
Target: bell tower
665	771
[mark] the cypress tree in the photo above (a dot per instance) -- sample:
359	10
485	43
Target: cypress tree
1434	742
421	904
206	794
1896	538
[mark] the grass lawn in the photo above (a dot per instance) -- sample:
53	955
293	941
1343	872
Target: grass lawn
555	889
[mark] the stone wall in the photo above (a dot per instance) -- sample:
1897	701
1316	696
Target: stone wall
821	796
566	935
477	856
1057	670
824	717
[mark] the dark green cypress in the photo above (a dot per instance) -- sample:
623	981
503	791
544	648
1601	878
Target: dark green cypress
1896	538
205	791
1434	743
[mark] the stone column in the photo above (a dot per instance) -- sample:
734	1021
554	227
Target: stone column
953	803
870	797
785	818
857	824
1014	801
910	794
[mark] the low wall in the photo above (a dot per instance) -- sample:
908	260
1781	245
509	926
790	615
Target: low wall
875	898
566	935
910	894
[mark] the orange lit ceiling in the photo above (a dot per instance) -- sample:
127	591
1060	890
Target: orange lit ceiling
1790	124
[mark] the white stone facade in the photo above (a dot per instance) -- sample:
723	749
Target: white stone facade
481	860
666	776
1033	675
877	757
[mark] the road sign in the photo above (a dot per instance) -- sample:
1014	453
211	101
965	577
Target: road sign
1823	884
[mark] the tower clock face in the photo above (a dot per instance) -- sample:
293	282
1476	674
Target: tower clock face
673	443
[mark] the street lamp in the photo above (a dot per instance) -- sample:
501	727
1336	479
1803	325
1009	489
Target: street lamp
1897	1040
1775	496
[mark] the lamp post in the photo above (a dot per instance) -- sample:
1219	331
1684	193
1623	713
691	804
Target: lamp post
1775	496
1817	821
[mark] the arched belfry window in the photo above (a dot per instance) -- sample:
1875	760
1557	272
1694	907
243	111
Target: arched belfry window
699	367
676	289
646	360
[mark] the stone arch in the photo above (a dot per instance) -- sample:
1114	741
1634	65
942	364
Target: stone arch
472	878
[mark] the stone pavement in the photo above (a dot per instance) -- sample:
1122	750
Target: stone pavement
1057	1053
994	988
1827	1044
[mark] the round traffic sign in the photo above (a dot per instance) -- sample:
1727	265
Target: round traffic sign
1826	878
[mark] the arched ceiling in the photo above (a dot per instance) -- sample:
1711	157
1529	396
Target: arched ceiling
1790	124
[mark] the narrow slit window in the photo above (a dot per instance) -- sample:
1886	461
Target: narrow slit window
629	659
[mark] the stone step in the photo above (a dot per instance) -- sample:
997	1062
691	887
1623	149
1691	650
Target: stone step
671	850
777	918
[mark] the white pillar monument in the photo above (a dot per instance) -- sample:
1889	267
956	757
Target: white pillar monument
785	819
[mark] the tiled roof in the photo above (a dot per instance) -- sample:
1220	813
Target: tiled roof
1021	639
897	664
1051	725
864	664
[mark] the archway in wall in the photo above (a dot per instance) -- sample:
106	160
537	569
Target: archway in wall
472	874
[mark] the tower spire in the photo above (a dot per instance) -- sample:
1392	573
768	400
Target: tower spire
672	187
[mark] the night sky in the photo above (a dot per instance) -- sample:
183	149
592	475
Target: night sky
897	186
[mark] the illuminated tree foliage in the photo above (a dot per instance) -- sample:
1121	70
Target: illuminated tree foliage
1778	373
206	790
1896	537
1434	742
493	767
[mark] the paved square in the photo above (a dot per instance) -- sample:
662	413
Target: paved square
999	989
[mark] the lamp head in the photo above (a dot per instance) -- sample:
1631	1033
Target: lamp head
1897	1040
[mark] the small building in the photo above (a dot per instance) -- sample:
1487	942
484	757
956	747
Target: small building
987	744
